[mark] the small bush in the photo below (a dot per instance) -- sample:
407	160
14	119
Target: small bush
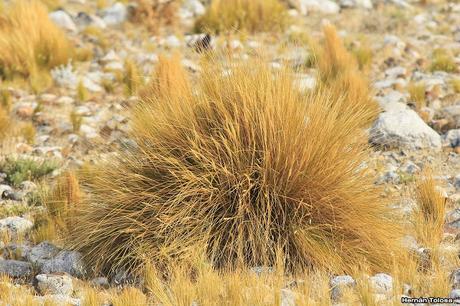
244	167
238	15
4	121
417	94
30	41
156	13
455	85
132	78
82	92
430	214
443	61
22	169
28	133
339	76
76	120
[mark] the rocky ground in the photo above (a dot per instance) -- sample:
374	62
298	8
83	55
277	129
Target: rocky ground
84	115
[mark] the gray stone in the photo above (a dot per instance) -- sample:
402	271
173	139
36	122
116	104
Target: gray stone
54	284
452	138
28	186
323	6
58	299
367	4
65	76
15	268
457	181
116	14
41	253
63	20
455	294
381	283
5	190
338	284
287	297
15	225
403	128
100	282
65	261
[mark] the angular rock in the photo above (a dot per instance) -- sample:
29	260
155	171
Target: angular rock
54	284
338	283
323	6
116	14
65	261
381	283
15	225
15	268
63	20
452	138
403	128
41	253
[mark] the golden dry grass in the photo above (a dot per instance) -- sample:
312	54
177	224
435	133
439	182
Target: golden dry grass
443	61
155	14
132	78
417	94
168	78
340	77
431	210
30	41
4	121
244	167
248	15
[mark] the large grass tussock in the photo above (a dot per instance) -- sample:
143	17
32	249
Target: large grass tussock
245	170
29	40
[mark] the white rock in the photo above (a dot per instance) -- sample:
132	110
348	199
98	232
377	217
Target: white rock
65	76
172	41
338	284
15	225
367	4
323	6
54	284
193	7
381	283
403	128
115	14
63	20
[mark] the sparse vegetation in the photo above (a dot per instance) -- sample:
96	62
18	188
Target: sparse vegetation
76	120
22	169
31	44
443	61
82	92
431	209
132	78
417	92
155	14
237	15
340	77
28	133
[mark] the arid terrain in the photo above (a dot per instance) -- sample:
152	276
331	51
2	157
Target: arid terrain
229	152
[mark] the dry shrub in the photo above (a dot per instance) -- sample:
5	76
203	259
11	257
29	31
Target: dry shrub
169	78
132	78
431	209
340	77
30	41
237	15
245	166
4	121
156	13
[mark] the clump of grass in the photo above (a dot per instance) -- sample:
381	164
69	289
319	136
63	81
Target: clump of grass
30	42
4	121
132	78
64	197
363	55
245	166
28	133
417	94
155	14
339	76
443	61
430	214
169	78
76	120
82	92
45	229
455	85
238	15
84	54
22	169
6	101
108	85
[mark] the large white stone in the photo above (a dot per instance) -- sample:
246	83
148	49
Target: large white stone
403	128
323	6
